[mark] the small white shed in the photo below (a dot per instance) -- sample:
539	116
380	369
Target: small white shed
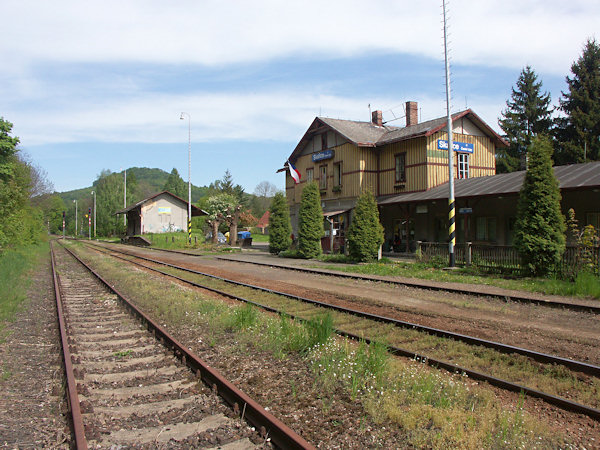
160	213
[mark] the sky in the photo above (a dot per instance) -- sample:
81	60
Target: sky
93	85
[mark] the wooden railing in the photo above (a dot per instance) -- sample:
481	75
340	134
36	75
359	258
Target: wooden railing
504	258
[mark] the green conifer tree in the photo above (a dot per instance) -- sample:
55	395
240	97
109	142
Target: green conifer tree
176	185
526	116
540	225
310	226
280	227
578	134
365	234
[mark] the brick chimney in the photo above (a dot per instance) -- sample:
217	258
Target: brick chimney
377	118
412	113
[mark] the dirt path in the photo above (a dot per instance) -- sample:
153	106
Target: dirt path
31	400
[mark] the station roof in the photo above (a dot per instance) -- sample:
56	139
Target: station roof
367	134
195	210
571	177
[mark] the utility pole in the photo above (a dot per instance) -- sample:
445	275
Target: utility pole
94	194
189	224
75	201
451	202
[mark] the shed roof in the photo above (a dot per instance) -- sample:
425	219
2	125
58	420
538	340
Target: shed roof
571	177
195	210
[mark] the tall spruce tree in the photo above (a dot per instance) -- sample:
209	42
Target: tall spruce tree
527	114
310	227
365	234
540	225
176	185
578	134
280	227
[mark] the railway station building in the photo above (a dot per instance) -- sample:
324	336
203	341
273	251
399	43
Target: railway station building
407	170
160	213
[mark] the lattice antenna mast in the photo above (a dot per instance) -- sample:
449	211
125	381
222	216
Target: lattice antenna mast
451	202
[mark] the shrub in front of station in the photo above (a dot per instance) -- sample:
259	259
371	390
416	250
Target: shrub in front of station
365	234
280	227
310	226
540	225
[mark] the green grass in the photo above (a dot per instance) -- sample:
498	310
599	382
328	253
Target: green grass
176	240
586	284
14	267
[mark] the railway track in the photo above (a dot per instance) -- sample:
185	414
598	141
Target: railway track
130	383
422	285
543	358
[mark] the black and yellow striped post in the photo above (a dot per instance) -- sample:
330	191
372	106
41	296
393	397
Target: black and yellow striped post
189	231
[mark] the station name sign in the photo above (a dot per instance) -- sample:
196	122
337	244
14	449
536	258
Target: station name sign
321	156
457	146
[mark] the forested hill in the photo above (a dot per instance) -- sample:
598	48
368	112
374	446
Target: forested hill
149	181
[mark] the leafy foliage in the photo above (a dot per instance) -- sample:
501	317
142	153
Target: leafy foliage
526	116
365	234
578	133
540	225
280	226
20	222
310	227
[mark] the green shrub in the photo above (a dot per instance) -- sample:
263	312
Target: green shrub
280	228
365	234
540	225
310	228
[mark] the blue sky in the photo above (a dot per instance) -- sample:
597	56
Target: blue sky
101	85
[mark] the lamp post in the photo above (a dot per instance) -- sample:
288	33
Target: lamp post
181	117
94	194
75	201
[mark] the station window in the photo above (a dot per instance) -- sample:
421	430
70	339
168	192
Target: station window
323	141
337	174
463	165
310	174
323	177
400	161
486	229
593	218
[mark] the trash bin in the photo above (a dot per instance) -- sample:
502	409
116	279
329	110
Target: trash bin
244	238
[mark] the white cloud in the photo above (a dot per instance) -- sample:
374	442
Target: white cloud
546	34
266	116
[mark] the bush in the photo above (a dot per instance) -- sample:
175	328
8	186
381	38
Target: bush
365	234
310	228
540	225
280	228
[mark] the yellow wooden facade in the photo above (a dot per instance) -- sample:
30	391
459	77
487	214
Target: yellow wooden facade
373	167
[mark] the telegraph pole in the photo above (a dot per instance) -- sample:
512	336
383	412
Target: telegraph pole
451	202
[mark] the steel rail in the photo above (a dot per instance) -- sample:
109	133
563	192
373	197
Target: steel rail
506	297
560	402
72	396
279	433
545	358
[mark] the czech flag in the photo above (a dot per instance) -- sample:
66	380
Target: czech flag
294	173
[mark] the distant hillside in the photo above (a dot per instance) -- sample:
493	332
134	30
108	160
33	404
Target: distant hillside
149	181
